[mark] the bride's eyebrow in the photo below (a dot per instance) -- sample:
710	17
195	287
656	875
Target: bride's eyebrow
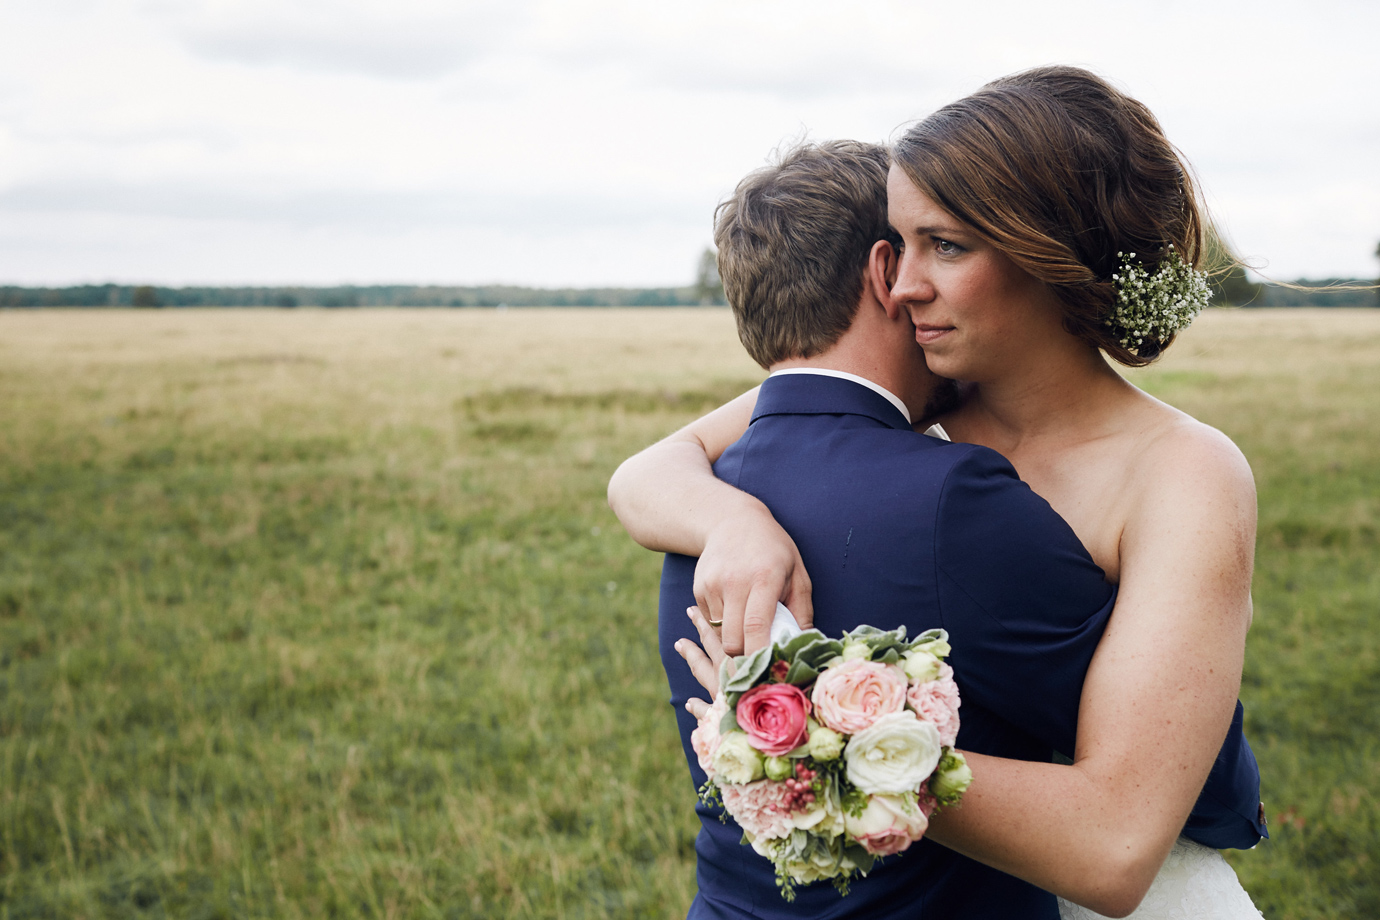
945	232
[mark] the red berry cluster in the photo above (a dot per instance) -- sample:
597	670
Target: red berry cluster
779	670
801	795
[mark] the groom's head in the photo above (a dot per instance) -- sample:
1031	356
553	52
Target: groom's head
794	244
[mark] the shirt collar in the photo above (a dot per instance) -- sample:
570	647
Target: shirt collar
844	375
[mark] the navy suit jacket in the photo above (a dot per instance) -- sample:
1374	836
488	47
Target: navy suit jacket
896	528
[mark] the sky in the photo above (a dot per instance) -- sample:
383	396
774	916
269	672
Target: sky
586	142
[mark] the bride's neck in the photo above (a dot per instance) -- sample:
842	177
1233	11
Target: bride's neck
1071	396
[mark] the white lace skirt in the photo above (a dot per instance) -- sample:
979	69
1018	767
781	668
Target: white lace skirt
1195	883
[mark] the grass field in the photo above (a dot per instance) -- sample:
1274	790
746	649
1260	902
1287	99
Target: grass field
322	613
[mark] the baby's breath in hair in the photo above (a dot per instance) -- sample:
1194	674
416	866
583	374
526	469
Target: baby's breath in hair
1155	306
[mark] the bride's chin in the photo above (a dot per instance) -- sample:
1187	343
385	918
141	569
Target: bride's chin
948	365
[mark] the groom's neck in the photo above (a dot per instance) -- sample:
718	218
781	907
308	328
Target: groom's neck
899	370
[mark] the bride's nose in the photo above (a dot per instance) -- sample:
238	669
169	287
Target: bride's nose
912	284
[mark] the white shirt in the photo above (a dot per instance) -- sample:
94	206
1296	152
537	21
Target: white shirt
936	431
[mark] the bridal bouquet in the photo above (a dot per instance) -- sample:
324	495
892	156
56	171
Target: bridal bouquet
833	753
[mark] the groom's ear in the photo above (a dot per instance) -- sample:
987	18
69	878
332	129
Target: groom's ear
881	275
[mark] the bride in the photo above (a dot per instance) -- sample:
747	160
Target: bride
1017	208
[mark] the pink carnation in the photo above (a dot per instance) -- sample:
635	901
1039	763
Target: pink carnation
937	701
773	715
705	738
763	808
851	696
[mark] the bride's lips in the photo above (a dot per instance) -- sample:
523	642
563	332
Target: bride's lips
928	335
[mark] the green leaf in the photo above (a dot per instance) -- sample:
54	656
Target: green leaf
934	641
817	652
808	637
930	635
879	640
729	723
750	671
725	675
865	860
801	673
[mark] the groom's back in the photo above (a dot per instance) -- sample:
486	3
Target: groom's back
898	529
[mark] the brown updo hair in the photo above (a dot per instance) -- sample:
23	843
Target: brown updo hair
1061	171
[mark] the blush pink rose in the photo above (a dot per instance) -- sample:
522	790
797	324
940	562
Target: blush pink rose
851	696
705	738
773	715
889	824
763	808
937	701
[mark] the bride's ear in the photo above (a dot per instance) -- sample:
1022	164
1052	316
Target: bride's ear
881	275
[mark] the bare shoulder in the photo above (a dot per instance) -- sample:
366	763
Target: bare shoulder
1191	469
1188	544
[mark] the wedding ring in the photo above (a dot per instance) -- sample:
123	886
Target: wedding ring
718	622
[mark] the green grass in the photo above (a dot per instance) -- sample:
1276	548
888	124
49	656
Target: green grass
324	614
1297	391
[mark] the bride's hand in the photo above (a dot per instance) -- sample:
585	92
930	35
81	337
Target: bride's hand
704	662
748	564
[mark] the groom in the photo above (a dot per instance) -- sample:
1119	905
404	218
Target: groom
895	528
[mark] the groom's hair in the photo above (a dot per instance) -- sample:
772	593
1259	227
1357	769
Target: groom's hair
794	241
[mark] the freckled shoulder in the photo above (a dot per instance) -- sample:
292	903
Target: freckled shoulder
1183	461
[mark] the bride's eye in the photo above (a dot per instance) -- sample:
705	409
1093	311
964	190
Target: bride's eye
946	247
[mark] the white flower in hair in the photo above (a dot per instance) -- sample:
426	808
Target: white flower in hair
1155	305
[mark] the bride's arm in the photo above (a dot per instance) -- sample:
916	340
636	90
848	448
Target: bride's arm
1156	704
670	501
667	496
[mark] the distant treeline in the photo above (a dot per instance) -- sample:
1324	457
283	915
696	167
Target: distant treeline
383	295
1323	293
1353	292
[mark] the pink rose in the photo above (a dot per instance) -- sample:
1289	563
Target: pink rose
888	824
773	715
763	808
705	738
853	695
937	701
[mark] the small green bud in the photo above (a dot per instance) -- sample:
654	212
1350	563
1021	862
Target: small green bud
778	768
951	778
825	744
853	650
921	666
939	648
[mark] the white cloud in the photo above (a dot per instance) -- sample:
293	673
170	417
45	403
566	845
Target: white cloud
406	40
257	141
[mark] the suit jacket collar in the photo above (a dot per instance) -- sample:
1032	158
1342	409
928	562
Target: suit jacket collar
812	394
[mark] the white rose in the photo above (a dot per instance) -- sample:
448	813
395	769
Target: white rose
821	860
889	824
762	845
822	817
735	761
893	755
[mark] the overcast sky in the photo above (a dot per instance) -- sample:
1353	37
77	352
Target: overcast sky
586	142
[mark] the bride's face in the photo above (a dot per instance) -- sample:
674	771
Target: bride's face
976	313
